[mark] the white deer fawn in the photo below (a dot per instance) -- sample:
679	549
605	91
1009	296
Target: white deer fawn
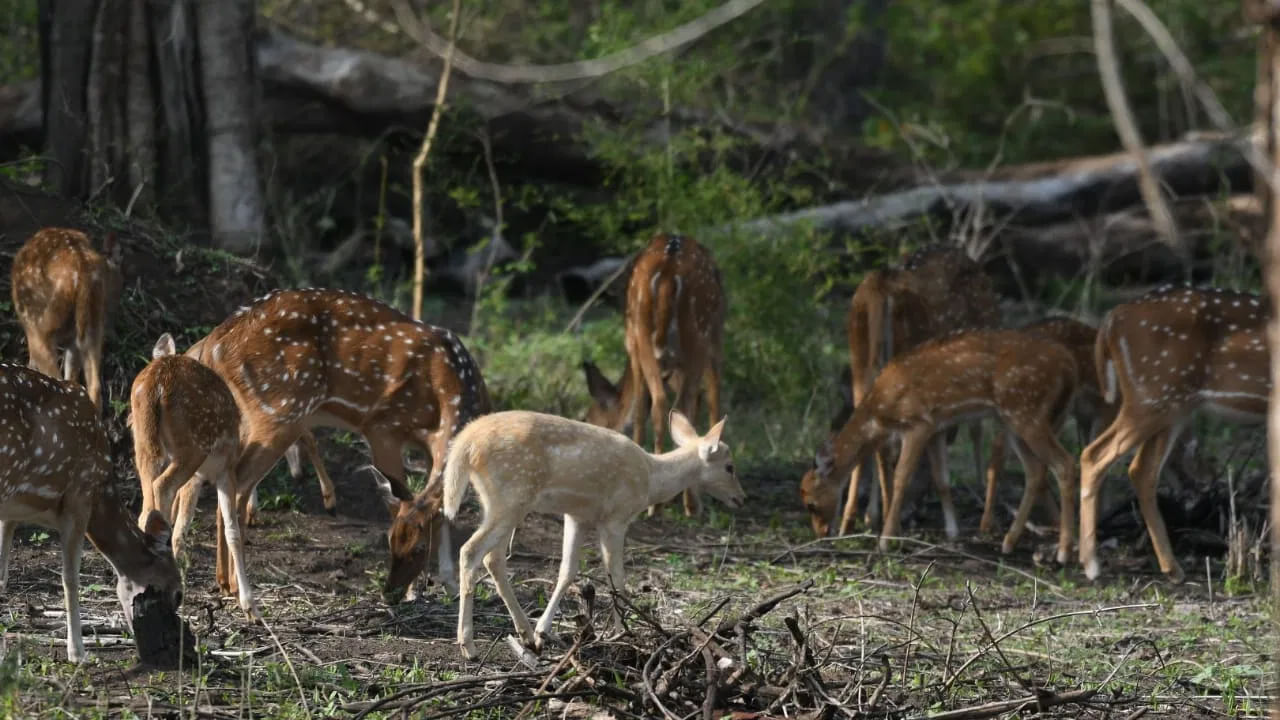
57	474
300	359
674	325
937	291
521	462
63	290
1162	357
1027	381
185	424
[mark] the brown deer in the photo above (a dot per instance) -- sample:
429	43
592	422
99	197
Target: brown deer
1025	380
56	473
674	324
1090	409
62	292
521	462
1162	357
299	359
938	290
185	425
293	457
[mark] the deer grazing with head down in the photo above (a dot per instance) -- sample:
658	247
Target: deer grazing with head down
1162	357
1090	410
520	462
57	474
938	290
62	292
300	359
1026	381
674	324
185	425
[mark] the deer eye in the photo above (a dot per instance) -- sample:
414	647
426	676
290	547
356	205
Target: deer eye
729	468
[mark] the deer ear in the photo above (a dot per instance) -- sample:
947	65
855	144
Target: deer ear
601	390
157	531
384	487
824	460
682	431
164	346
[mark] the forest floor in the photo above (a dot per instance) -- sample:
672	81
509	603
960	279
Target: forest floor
903	634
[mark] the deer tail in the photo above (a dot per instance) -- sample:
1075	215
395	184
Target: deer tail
457	475
1103	363
148	452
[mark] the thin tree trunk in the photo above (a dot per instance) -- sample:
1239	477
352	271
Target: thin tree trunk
105	104
1127	129
67	52
139	109
420	163
236	209
180	167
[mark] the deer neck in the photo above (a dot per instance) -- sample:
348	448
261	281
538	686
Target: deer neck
671	473
861	436
117	536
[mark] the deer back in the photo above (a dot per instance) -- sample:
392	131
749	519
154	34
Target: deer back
298	353
60	283
1178	348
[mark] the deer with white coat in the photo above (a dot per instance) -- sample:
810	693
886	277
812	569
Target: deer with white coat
521	462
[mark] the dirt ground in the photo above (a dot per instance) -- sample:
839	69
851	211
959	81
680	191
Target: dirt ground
918	613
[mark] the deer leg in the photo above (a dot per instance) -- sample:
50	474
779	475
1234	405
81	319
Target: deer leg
975	440
995	466
438	442
611	542
71	364
72	532
41	354
6	548
1144	473
568	570
688	403
308	442
851	500
495	561
484	540
183	509
1034	468
90	351
234	540
1125	432
942	483
161	492
914	443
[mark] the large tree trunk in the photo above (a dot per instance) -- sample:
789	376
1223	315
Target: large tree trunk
124	116
226	63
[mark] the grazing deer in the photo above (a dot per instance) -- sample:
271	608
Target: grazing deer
1164	356
56	473
1090	409
938	290
185	424
1025	380
674	324
299	359
521	462
62	292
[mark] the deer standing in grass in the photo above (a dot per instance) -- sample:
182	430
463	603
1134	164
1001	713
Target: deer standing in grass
674	324
185	425
56	473
1162	357
300	359
62	292
520	462
1025	380
1090	409
938	290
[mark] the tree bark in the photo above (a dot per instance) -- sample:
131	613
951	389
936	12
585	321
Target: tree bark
140	104
68	41
236	209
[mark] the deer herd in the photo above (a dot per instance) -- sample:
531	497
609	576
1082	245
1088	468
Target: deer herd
927	354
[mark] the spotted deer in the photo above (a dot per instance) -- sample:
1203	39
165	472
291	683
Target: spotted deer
185	426
1162	357
63	290
520	462
299	359
1090	409
57	474
674	324
1025	380
293	457
937	290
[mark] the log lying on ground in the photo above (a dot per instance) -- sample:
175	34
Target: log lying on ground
1037	194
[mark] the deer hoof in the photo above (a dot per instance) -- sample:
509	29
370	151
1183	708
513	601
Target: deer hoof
468	650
